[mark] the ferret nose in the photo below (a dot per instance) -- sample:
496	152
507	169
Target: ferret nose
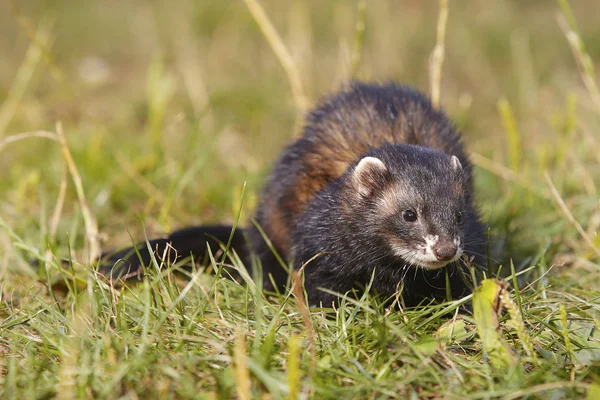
444	251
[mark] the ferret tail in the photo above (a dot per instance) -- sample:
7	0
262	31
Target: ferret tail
180	247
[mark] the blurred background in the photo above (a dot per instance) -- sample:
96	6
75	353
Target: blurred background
170	106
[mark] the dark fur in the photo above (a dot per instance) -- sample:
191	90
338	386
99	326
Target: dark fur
309	205
350	232
127	264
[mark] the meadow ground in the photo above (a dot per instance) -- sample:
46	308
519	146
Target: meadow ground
167	109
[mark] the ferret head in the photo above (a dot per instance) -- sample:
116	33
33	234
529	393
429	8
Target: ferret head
414	200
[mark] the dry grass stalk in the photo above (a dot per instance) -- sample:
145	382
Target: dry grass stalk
582	58
359	35
91	226
24	74
282	53
565	209
437	55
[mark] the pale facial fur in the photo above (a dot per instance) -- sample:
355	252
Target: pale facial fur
422	255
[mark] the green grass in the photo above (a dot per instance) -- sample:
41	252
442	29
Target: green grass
170	108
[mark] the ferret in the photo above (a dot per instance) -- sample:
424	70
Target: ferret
377	193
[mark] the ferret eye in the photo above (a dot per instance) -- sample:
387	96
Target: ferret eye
409	216
459	217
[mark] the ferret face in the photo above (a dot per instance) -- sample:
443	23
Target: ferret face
424	231
416	206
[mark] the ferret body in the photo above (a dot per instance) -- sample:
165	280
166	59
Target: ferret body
377	191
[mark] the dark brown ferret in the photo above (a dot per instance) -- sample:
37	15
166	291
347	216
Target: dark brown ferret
378	190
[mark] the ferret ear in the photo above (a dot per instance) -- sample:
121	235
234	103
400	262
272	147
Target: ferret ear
456	165
369	175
